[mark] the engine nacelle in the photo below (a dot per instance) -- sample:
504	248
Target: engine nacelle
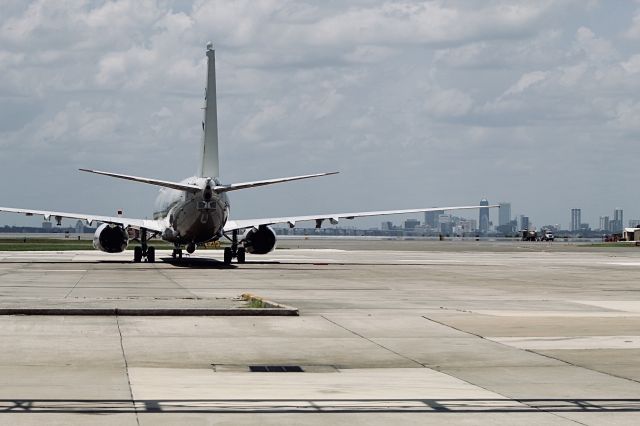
260	241
110	239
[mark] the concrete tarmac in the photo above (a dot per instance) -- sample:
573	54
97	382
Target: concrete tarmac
455	332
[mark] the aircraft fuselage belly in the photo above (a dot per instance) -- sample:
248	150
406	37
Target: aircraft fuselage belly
192	217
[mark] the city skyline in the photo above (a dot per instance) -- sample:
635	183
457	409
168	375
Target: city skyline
433	219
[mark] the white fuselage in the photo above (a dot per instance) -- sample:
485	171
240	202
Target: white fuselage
192	217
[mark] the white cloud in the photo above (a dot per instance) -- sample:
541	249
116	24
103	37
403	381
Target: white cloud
628	117
268	114
542	49
632	66
448	103
595	48
126	69
312	85
634	30
525	82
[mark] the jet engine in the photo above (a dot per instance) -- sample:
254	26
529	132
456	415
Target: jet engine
259	241
110	238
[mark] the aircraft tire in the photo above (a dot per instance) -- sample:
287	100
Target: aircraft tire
228	256
151	254
241	255
137	254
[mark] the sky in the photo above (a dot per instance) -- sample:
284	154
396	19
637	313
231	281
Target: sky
416	103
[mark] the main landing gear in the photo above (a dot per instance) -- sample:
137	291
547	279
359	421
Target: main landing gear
234	251
144	251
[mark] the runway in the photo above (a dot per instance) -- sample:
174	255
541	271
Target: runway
462	333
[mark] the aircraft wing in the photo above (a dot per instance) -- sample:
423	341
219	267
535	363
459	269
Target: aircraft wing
152	225
234	225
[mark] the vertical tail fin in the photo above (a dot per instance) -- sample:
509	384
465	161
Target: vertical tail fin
209	166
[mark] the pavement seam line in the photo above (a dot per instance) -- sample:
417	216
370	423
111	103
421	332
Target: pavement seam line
580	366
126	369
374	342
491	390
532	351
161	272
76	284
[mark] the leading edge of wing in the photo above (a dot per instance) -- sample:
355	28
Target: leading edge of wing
152	225
233	225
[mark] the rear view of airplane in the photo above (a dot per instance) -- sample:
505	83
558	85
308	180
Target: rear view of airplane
196	210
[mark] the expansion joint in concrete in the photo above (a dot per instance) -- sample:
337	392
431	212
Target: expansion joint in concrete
374	342
76	284
164	274
126	369
492	390
582	366
534	352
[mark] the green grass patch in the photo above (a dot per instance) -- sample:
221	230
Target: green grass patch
69	244
612	245
43	244
63	244
257	303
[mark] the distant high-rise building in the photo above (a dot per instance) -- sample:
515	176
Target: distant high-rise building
619	223
444	218
467	225
634	223
575	219
445	224
524	222
431	218
483	220
386	226
79	227
604	223
504	214
411	223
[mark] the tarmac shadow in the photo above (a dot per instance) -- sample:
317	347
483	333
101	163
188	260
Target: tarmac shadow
195	262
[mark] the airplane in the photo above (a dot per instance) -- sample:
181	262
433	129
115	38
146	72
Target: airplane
196	210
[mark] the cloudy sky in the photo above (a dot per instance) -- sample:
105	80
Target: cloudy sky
416	103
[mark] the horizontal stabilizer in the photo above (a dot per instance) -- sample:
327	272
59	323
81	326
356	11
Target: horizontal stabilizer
156	182
245	185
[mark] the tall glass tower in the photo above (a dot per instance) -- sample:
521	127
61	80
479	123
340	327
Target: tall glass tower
576	219
483	222
504	214
617	217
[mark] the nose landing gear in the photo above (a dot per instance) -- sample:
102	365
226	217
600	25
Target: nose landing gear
177	252
234	251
